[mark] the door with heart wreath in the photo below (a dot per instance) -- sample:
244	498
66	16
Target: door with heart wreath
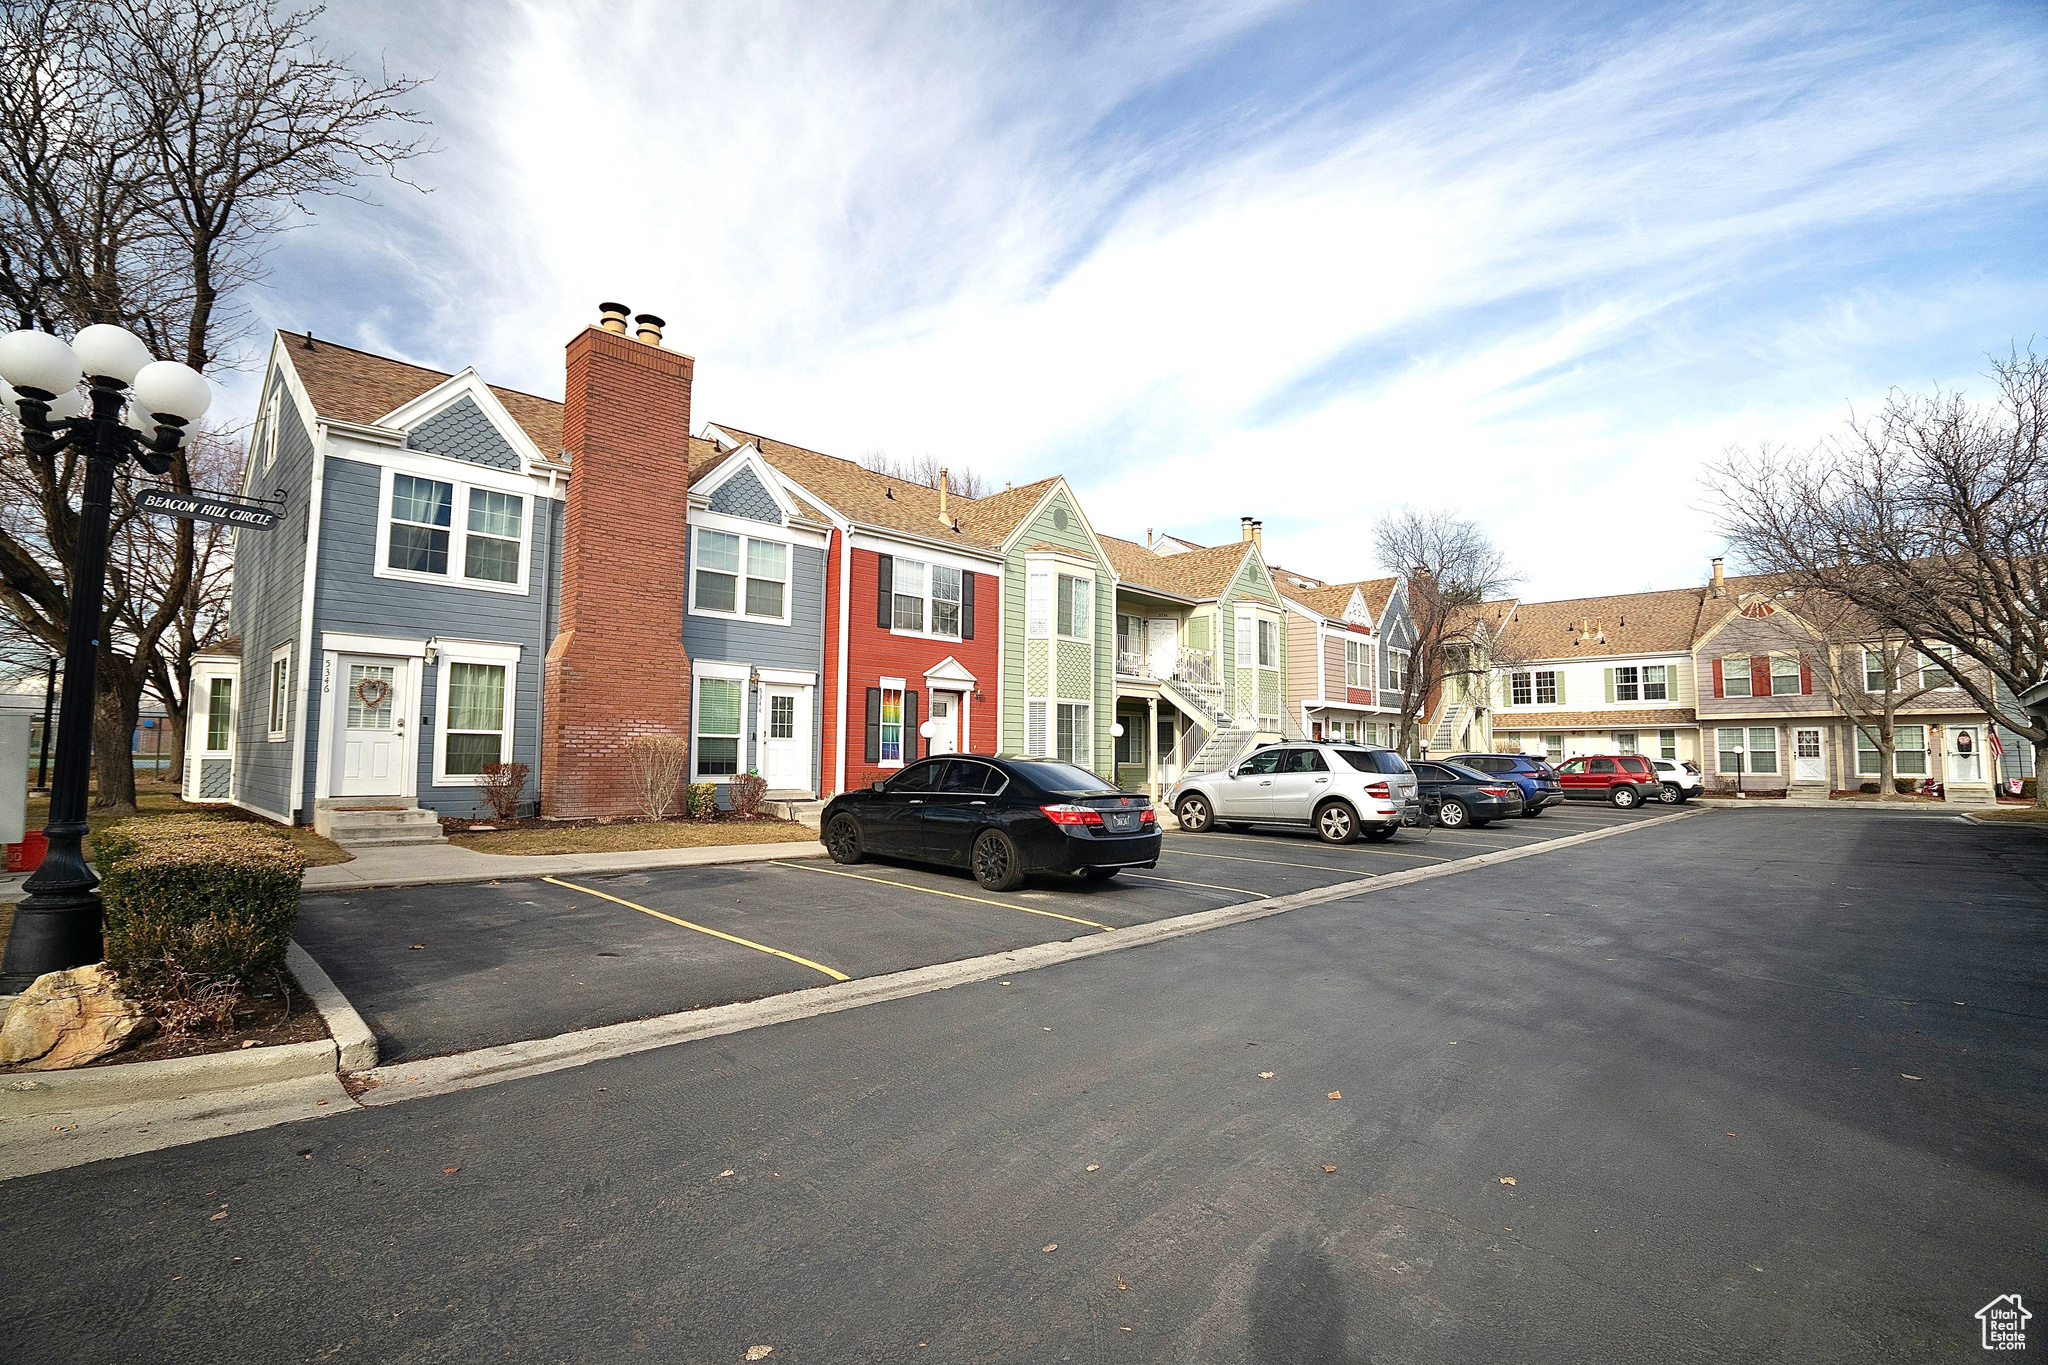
372	729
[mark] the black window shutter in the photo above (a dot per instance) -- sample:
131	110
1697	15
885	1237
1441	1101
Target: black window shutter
874	725
910	736
886	576
966	604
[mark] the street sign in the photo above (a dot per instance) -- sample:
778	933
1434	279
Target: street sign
207	507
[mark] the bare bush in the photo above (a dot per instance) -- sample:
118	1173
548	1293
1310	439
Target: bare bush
503	788
661	763
748	791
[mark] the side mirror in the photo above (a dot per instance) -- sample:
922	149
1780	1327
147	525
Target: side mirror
876	785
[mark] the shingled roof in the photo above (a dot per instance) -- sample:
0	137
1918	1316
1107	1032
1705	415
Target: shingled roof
879	500
1196	574
355	386
1633	623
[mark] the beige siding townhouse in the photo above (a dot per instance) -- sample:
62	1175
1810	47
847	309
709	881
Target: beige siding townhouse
1599	675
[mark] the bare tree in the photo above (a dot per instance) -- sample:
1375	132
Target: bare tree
1931	518
1869	670
1450	570
924	470
150	150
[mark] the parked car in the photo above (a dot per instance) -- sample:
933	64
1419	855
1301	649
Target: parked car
1459	796
1535	776
1681	780
1338	790
1626	780
1001	818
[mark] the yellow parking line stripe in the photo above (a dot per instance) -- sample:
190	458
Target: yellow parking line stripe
729	938
1270	862
934	891
1255	895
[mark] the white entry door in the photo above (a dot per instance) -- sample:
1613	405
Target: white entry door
1965	762
373	746
786	739
1162	643
1807	763
945	723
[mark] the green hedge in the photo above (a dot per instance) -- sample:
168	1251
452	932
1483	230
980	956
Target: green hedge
197	897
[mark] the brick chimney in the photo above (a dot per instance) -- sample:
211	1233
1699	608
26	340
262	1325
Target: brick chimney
617	667
1720	588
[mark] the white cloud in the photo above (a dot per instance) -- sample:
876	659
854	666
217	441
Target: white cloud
1529	286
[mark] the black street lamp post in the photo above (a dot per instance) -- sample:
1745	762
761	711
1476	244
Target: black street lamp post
58	925
49	716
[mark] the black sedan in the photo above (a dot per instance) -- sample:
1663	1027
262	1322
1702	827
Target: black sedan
1460	796
998	817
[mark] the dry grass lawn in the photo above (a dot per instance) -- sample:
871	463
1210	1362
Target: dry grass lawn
156	800
2017	815
636	836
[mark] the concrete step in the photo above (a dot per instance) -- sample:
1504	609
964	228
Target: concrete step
377	825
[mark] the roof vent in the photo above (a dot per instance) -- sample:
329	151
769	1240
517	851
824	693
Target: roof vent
648	328
612	317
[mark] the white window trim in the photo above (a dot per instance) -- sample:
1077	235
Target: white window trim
1080	579
1635	684
929	564
740	589
903	745
1052	731
464	476
1406	657
471	652
1643	681
1747	673
270	416
739	673
278	733
209	677
1364	650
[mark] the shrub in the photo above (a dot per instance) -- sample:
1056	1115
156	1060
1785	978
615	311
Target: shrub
503	788
1905	786
1869	788
703	800
748	791
196	904
660	765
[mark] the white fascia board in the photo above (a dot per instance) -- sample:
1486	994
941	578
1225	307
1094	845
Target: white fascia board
788	677
707	668
344	642
889	542
758	530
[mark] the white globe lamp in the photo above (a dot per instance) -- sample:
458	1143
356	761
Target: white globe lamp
166	388
70	403
38	364
108	352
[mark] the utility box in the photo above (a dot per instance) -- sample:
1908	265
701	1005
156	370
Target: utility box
14	728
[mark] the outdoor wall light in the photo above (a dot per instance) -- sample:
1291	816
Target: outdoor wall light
58	925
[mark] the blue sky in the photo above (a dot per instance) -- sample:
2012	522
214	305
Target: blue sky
1300	262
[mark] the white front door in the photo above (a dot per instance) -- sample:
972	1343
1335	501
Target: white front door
945	723
1965	763
1162	641
785	738
373	744
1807	763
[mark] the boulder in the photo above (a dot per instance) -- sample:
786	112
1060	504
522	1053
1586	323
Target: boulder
67	1019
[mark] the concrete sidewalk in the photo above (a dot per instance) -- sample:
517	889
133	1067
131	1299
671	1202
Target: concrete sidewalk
437	864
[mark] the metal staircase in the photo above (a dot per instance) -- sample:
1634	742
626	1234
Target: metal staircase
1446	727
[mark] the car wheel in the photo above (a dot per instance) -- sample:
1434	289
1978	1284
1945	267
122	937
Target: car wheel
1100	874
996	864
1683	796
843	840
1625	798
1336	823
1669	794
1381	833
1452	814
1194	814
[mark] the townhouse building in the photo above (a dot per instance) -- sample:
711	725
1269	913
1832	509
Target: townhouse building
1339	653
1598	675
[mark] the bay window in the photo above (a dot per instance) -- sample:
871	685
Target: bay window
220	714
1076	599
1075	740
1269	643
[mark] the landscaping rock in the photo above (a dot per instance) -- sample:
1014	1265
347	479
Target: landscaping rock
67	1019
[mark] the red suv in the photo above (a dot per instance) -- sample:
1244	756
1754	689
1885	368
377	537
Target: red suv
1627	780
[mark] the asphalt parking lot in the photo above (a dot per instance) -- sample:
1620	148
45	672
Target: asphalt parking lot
444	969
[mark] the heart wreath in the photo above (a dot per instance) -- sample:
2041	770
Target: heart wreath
371	692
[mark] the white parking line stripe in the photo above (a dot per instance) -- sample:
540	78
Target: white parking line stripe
935	891
1270	862
1256	895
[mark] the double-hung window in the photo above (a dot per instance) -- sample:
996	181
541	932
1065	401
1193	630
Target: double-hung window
721	708
1038	593
220	715
1735	677
1628	685
1358	663
1785	675
906	599
1546	687
739	575
1076	598
1935	670
444	529
924	598
1873	670
1625	742
1749	751
1667	744
1269	643
1656	682
1521	689
1909	752
945	614
280	690
1074	738
1397	670
474	732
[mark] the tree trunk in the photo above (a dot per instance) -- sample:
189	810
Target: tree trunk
174	741
2041	770
113	739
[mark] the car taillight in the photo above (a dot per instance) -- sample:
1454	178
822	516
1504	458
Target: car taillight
1072	815
1379	789
1496	791
1148	817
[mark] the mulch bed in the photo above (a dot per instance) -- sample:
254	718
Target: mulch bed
265	1017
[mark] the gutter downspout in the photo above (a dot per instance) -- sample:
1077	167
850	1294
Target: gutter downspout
548	569
295	798
845	624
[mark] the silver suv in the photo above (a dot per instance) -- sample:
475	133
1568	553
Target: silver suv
1338	790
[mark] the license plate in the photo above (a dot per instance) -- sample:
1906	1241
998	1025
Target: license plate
1120	823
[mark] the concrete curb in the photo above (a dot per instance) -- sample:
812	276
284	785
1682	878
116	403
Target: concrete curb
31	1094
1929	811
390	867
357	1045
513	1061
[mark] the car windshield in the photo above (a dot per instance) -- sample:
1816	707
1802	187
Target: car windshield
1064	779
1372	760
